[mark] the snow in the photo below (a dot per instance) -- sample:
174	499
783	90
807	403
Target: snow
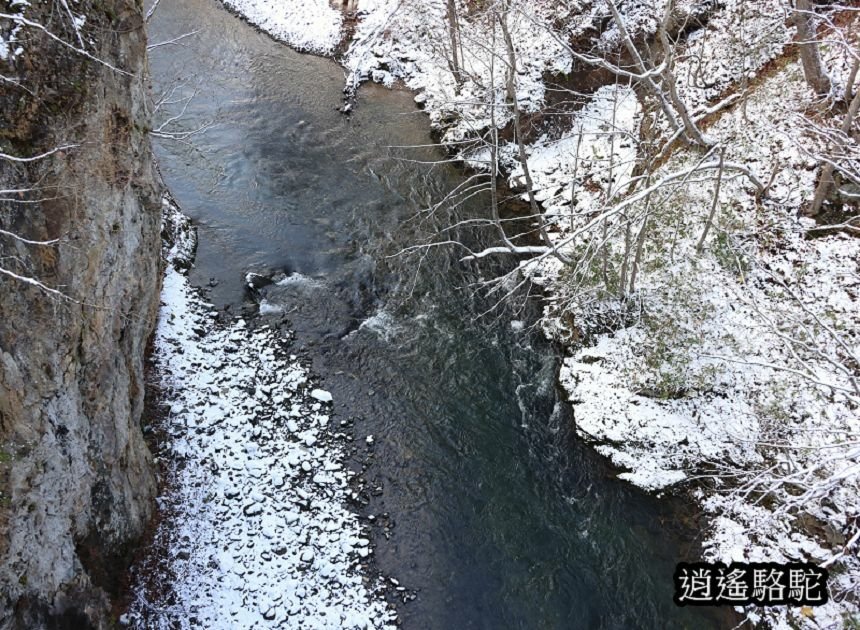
10	32
321	395
398	41
310	25
181	240
569	171
255	529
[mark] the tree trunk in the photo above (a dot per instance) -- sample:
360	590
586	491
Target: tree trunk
494	151
454	34
852	76
807	43
714	204
640	244
671	83
512	92
642	67
826	182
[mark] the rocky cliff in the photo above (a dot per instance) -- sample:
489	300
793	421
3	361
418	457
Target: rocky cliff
76	478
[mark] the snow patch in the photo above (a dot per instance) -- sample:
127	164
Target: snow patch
310	25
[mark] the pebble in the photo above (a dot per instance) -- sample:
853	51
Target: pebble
321	395
231	492
253	509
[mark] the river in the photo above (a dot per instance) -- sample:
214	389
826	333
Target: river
499	517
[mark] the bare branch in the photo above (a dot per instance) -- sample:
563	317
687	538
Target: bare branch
24	21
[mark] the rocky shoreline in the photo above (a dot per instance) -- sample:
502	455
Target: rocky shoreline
255	522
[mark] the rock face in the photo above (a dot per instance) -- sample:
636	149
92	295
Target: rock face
76	479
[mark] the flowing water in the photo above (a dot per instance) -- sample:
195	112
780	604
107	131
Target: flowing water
499	517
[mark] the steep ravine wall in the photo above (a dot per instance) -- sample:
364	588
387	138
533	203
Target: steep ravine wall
76	479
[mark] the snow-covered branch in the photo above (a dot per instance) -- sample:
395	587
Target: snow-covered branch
18	19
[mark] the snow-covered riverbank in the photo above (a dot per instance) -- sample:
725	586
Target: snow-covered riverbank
310	26
255	529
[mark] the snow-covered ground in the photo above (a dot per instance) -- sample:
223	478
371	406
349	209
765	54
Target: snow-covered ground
404	41
310	26
256	530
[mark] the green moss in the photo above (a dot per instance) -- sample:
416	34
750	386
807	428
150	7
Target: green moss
729	256
851	622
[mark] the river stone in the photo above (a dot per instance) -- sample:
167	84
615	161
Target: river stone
321	395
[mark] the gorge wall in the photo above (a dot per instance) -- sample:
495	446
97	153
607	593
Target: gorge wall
76	479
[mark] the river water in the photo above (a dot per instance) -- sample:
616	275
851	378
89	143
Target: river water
499	517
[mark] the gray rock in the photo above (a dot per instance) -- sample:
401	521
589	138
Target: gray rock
79	477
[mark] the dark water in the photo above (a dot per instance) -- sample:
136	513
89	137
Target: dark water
501	518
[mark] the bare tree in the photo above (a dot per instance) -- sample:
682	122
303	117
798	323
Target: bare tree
518	131
714	204
807	43
840	157
845	147
455	60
